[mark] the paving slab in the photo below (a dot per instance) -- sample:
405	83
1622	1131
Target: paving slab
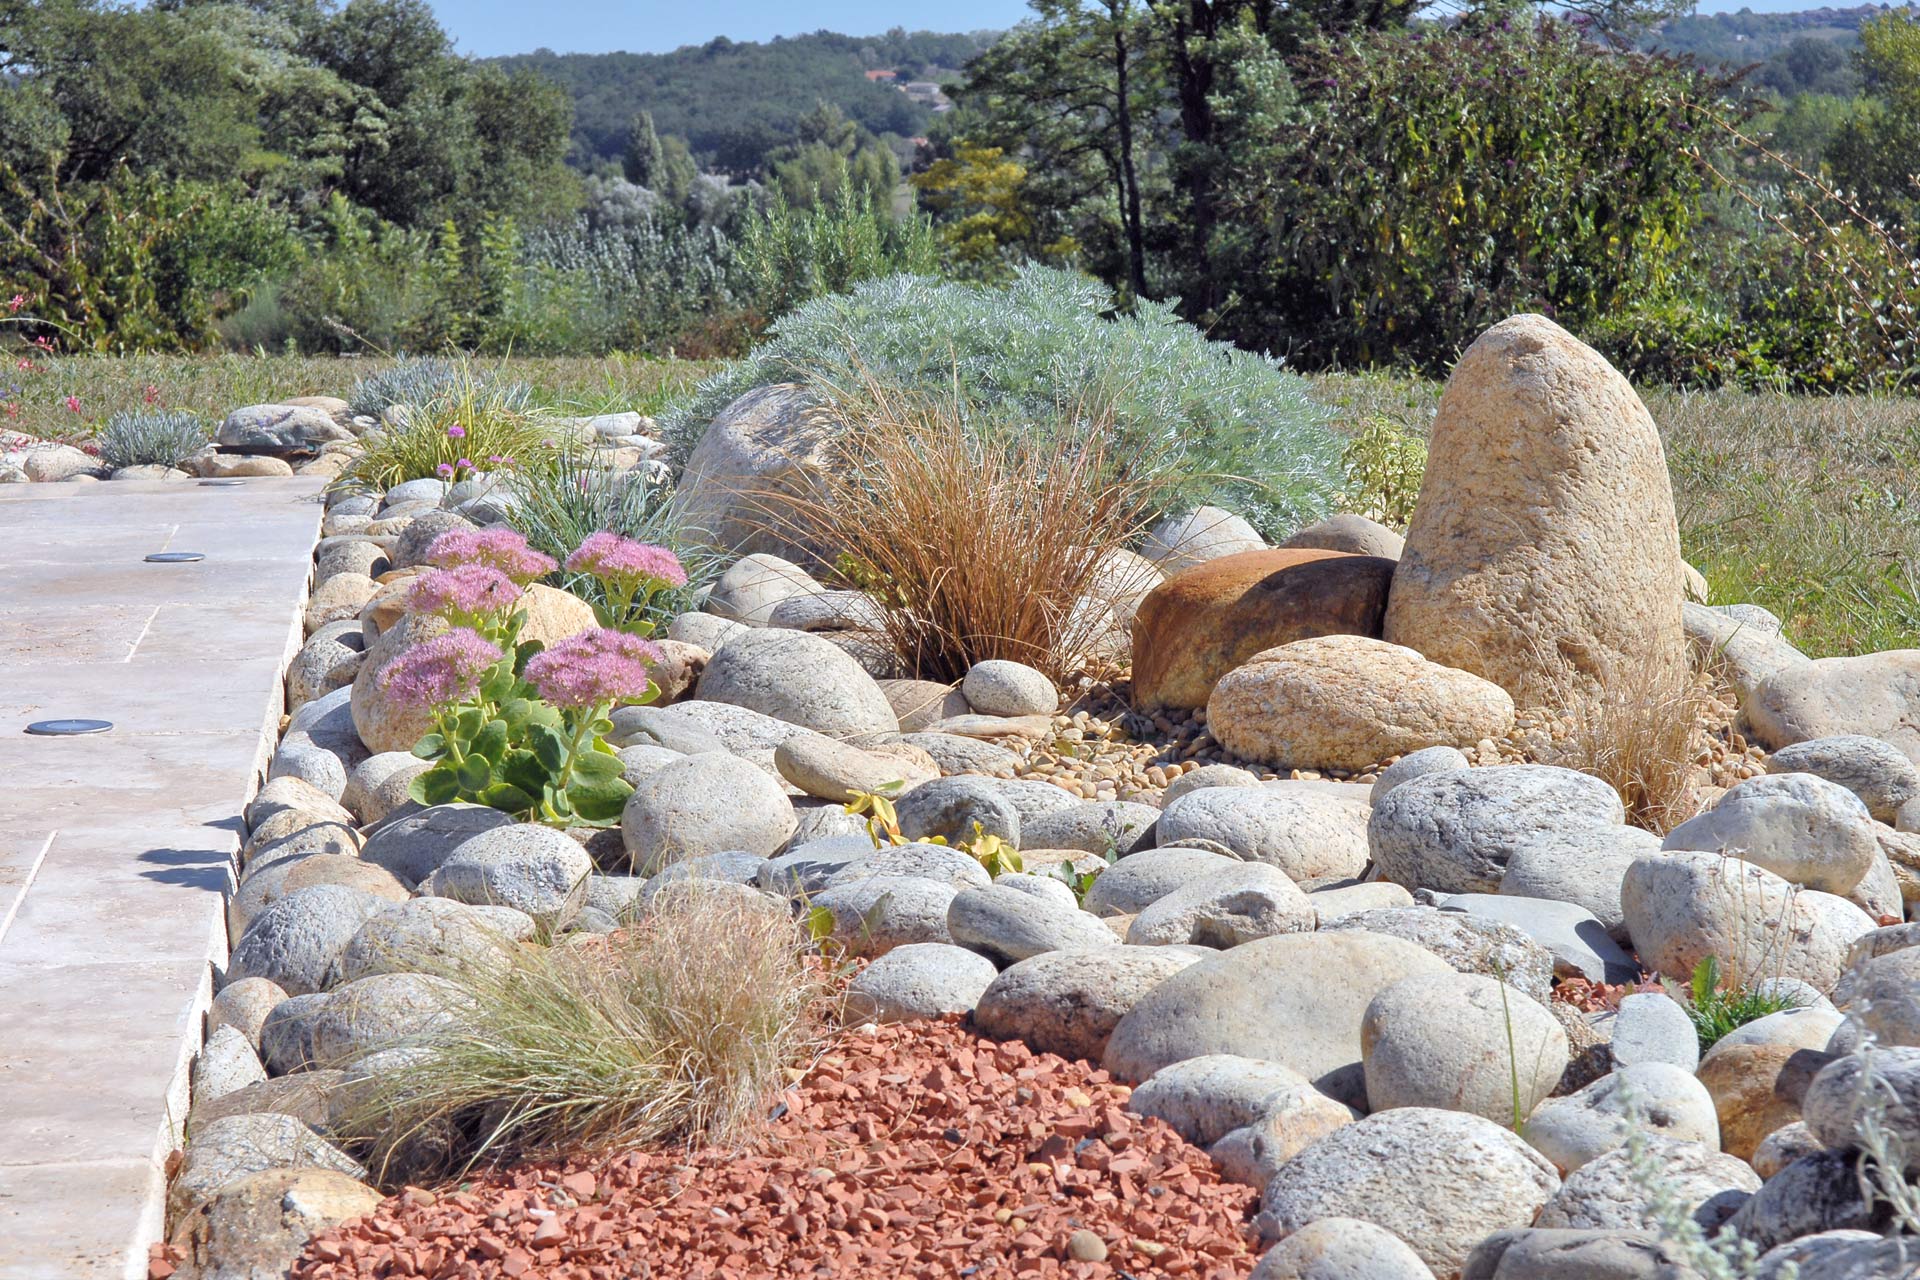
117	851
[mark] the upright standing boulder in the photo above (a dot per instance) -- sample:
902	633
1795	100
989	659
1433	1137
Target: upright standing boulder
1543	554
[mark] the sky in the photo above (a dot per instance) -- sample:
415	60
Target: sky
490	27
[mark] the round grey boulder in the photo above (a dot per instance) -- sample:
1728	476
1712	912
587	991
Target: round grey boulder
412	846
1815	1193
1888	1080
952	807
226	1064
1665	1101
1581	866
434	935
1341	1249
1137	881
872	916
1456	830
533	869
1652	1027
1467	944
1876	771
244	1004
997	687
1115	827
264	885
1417	764
1007	925
385	1011
1605	1193
296	942
1296	999
919	981
1208	775
1460	1042
1069	1002
808	867
226	1150
1578	942
1440	1180
1305	834
1225	908
705	804
1884	998
1682	908
800	678
926	861
1206	1098
1802	828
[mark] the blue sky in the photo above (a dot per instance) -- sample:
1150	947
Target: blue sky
488	27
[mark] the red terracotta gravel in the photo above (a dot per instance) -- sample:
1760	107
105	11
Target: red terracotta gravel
907	1151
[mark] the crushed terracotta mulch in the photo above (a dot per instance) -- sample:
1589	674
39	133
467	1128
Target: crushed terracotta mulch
907	1151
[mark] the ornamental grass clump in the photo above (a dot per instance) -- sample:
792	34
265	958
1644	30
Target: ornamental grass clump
673	1029
975	543
518	726
571	497
470	427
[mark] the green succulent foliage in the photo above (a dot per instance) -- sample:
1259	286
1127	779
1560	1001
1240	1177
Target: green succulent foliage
520	762
1224	426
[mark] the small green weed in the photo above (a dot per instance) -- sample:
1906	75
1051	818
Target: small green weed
1718	1010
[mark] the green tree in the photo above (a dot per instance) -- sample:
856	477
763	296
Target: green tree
830	155
1876	154
641	160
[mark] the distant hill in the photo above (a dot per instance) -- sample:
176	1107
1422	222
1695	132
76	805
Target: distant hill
732	101
1746	36
1804	52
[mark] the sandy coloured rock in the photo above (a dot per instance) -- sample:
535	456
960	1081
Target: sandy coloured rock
1347	702
1544	554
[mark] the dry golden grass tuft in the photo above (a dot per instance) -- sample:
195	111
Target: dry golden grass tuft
979	539
1644	736
675	1028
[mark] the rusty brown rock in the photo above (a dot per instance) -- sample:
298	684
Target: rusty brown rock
1198	625
1757	1088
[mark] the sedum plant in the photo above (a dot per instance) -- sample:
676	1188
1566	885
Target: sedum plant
517	726
1044	357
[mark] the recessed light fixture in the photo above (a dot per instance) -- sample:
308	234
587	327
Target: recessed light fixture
67	728
175	557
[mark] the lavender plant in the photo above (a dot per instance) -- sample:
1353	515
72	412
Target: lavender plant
517	726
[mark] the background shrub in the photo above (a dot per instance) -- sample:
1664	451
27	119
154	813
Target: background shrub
425	379
1217	424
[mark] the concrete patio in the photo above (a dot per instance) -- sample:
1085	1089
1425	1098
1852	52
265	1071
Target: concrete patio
116	850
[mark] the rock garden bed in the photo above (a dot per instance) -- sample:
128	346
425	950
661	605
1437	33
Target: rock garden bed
1293	911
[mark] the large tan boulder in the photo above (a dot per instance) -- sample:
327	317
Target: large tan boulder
552	616
1543	553
1202	623
1347	702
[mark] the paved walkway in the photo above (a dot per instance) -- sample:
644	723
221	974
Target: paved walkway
116	850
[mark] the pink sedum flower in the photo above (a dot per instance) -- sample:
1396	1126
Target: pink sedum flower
462	592
608	555
444	669
592	668
499	549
